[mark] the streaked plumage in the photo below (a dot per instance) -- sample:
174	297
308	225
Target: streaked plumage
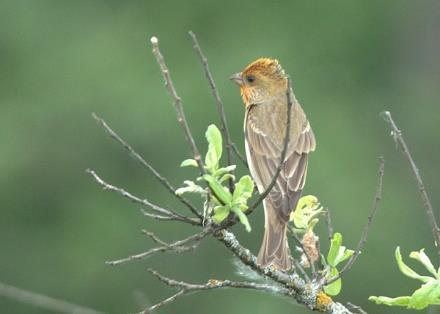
263	86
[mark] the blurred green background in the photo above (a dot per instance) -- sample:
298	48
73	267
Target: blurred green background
62	60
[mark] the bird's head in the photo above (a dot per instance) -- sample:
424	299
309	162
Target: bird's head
261	80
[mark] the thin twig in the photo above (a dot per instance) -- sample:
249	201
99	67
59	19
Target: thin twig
144	202
164	302
177	101
42	301
328	219
396	133
283	153
230	146
144	163
177	246
363	240
155	216
304	251
356	308
301	269
154	237
210	285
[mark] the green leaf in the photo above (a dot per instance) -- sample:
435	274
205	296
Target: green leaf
189	162
345	255
306	210
243	218
219	190
226	177
335	287
333	252
224	170
243	207
191	187
424	259
243	190
214	153
428	293
220	214
399	301
408	271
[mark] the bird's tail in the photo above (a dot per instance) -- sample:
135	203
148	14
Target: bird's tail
275	248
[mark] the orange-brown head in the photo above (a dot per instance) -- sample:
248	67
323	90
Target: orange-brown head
261	80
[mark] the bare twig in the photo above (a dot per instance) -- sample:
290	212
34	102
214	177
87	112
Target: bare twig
177	101
177	246
154	237
396	133
144	163
220	107
42	301
283	153
328	219
162	211
356	308
301	269
304	251
164	302
377	198
210	285
155	216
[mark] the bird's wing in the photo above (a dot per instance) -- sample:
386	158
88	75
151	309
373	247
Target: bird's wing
264	145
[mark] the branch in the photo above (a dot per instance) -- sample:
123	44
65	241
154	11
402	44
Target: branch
43	301
305	293
143	162
356	308
396	133
166	212
177	246
186	288
328	219
304	251
153	237
155	216
220	107
177	101
377	198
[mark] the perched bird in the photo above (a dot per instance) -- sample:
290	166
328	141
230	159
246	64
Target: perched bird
263	85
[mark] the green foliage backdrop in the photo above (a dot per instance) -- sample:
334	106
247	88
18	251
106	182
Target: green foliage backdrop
62	60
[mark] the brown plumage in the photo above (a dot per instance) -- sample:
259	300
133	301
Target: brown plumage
263	85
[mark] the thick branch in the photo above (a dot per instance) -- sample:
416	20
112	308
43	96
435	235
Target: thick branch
247	258
377	198
42	301
220	107
210	285
144	163
396	133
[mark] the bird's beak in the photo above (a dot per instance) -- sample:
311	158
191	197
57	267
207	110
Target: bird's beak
237	78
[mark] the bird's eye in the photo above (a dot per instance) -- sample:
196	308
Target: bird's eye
250	78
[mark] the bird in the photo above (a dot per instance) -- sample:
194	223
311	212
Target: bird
263	87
